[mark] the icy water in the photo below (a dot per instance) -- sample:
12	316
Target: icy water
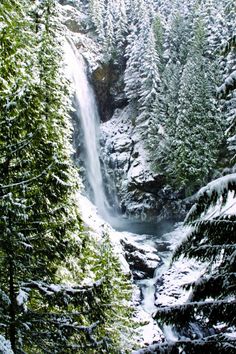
141	227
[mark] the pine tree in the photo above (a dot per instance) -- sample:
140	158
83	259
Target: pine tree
37	179
46	305
97	13
140	32
149	80
120	26
227	90
109	41
158	29
212	300
163	125
197	121
131	78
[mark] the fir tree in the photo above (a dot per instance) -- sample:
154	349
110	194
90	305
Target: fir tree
163	125
212	300
109	41
197	121
227	90
120	26
45	304
97	13
149	80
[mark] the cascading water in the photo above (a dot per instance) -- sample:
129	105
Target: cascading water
86	108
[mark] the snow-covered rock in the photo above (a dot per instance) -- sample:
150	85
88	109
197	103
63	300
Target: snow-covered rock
5	346
142	259
169	287
141	193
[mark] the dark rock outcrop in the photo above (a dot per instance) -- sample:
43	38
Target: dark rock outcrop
142	194
108	86
143	260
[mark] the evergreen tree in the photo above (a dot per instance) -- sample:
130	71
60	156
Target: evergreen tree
109	41
227	90
46	304
163	125
212	300
97	13
137	44
37	180
120	26
149	80
194	147
131	78
158	30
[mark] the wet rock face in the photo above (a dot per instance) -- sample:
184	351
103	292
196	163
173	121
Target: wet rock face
143	260
141	193
108	85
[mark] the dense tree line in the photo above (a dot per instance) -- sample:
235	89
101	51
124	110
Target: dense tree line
60	290
172	56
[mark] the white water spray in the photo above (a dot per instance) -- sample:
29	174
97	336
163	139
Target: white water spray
86	108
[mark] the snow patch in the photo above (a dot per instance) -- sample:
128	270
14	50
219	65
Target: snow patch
5	346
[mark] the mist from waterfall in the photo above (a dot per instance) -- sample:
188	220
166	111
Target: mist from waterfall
86	109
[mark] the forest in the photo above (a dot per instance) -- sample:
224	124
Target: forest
113	113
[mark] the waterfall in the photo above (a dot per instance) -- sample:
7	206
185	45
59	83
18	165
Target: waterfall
86	109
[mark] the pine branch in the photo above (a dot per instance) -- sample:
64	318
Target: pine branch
219	310
211	345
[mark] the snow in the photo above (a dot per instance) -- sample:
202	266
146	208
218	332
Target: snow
229	82
22	297
5	346
218	185
98	227
181	272
148	331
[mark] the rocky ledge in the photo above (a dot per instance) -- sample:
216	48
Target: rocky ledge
143	259
141	193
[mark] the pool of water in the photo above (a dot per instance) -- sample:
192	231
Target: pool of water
121	224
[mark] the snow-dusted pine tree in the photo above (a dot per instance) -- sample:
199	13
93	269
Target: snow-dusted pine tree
174	55
149	81
194	148
212	302
120	26
227	90
46	305
97	13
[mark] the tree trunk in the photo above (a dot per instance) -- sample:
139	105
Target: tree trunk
12	327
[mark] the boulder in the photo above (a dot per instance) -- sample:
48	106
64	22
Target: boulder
143	260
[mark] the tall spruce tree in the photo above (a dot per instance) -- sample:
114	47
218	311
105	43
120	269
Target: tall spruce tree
44	257
227	90
97	13
191	161
149	80
37	179
174	50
